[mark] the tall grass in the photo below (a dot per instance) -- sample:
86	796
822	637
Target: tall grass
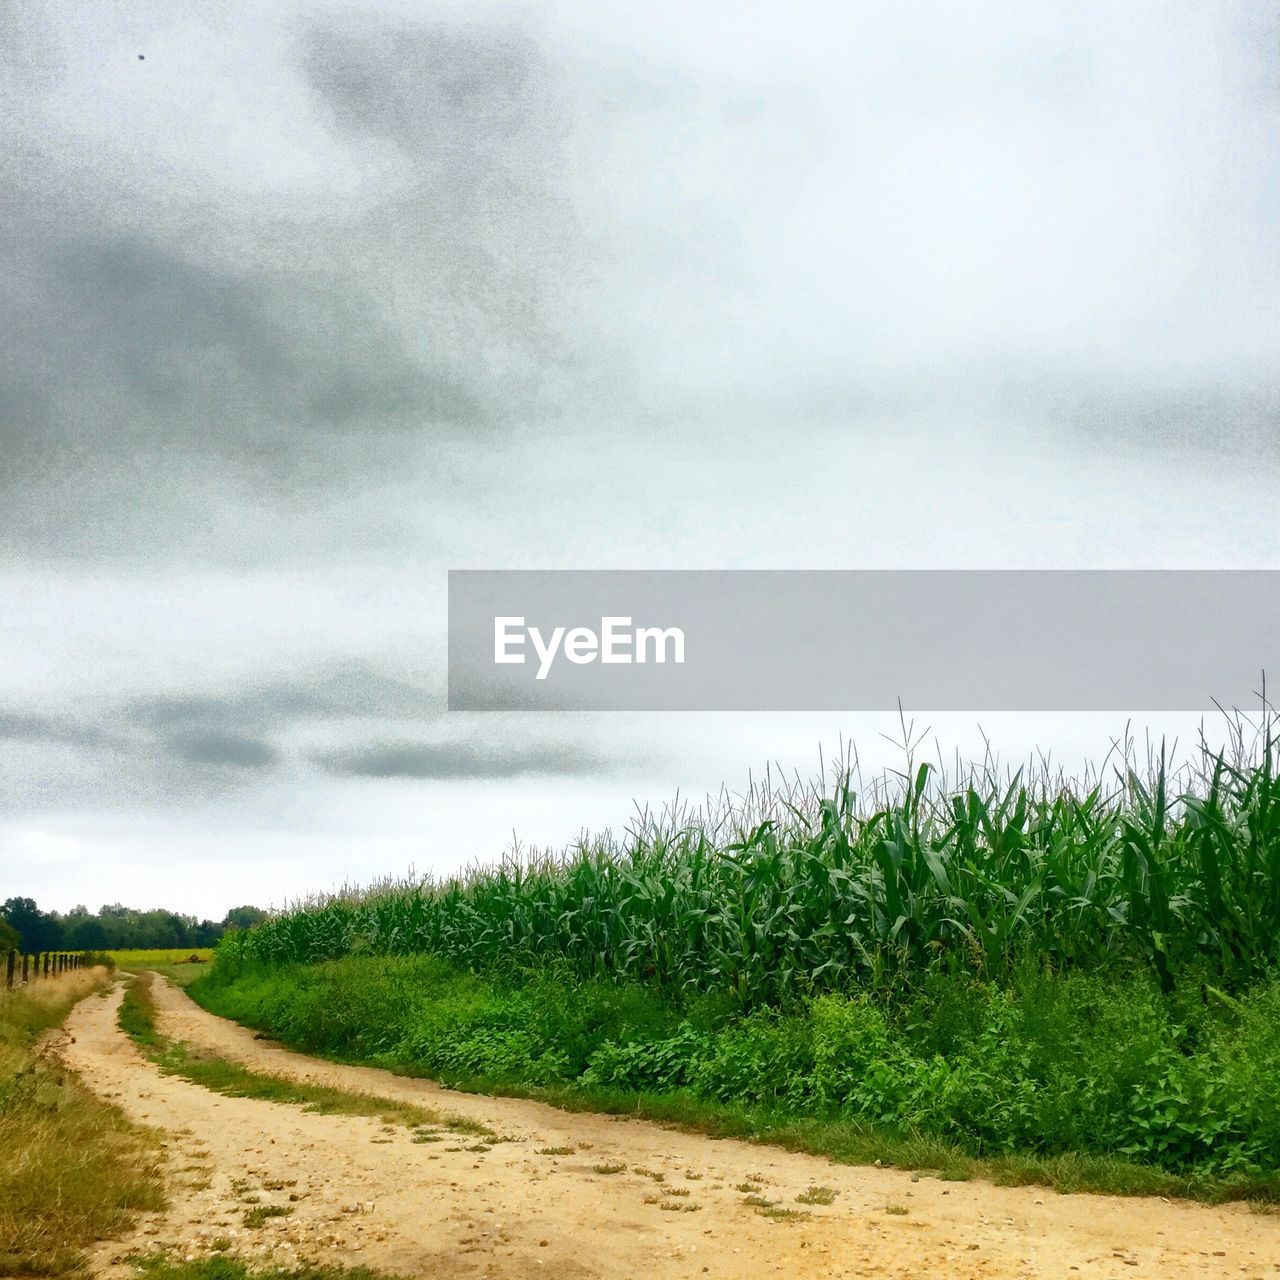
72	1169
793	889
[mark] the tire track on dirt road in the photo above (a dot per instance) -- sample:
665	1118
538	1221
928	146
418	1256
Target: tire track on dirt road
358	1192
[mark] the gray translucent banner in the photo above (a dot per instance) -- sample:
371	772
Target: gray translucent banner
791	640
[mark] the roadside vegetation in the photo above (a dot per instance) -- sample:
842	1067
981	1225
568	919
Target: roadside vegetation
1076	980
182	966
137	1019
72	1169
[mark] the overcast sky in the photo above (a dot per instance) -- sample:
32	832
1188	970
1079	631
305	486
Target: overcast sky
304	305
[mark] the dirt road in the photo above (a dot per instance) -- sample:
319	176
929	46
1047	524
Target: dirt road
353	1191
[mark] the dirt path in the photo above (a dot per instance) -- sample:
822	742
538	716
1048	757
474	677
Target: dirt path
361	1193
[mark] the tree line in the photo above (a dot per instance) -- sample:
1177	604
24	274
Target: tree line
24	927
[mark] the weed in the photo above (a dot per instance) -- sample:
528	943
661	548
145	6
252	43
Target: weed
221	1267
259	1216
816	1195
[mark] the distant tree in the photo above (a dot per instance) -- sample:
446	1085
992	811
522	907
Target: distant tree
244	917
89	935
39	931
10	938
207	932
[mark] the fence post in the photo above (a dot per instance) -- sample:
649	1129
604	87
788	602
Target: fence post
46	964
26	962
8	977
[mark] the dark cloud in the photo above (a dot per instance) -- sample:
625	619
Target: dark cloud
479	216
158	346
222	749
351	690
433	89
180	336
455	760
130	345
1238	417
64	730
26	727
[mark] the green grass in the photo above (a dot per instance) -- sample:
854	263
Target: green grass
73	1170
148	959
219	1075
1040	1081
176	965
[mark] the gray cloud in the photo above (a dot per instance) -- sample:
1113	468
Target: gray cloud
222	749
65	730
160	346
477	228
463	759
14	725
199	361
501	224
463	96
350	690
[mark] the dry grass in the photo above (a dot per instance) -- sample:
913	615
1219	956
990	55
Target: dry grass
72	1168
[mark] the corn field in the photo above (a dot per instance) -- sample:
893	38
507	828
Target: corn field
796	888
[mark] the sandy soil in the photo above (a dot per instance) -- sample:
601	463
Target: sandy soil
361	1193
